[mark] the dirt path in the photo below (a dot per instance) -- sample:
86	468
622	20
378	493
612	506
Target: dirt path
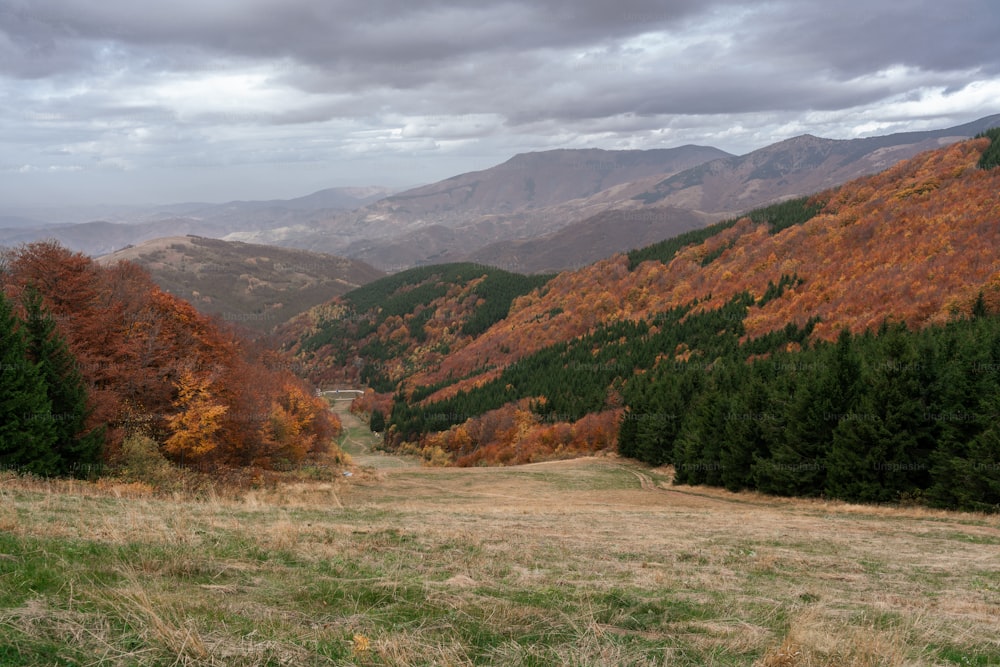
360	442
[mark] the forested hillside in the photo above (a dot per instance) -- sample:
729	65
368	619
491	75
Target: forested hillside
915	242
97	357
380	333
658	350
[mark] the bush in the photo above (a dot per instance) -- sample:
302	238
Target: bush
142	461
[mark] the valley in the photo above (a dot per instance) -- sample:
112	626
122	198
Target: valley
526	334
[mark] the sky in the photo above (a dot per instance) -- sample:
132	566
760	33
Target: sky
138	102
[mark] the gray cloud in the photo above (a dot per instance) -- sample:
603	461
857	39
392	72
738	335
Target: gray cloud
95	87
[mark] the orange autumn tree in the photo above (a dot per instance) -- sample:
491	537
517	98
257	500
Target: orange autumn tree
198	418
290	434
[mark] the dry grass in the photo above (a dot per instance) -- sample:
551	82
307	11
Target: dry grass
587	562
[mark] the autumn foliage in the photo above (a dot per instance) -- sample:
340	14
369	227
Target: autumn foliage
154	366
915	244
514	434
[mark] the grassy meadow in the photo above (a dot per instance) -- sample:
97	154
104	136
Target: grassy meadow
588	562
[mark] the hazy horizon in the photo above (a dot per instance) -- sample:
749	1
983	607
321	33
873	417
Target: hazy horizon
227	101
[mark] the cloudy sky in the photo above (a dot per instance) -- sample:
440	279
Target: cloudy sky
131	101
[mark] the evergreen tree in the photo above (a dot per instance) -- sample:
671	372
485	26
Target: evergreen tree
966	380
881	449
797	465
27	436
699	444
976	477
76	450
377	421
749	427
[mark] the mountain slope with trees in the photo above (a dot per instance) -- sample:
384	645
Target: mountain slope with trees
692	341
392	327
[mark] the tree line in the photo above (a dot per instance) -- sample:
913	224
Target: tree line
885	416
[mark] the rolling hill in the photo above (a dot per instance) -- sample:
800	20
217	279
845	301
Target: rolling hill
383	332
256	287
100	230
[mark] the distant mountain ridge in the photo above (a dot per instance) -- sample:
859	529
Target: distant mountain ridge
541	211
115	227
543	179
452	220
796	167
527	196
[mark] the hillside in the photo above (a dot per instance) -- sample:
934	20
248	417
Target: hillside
914	245
881	236
252	286
540	180
796	167
587	241
379	334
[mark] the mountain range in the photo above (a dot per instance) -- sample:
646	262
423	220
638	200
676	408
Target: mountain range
537	212
509	215
99	230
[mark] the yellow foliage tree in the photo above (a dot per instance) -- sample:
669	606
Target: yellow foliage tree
289	434
198	419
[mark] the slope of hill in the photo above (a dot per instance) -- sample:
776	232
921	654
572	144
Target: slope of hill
397	325
590	240
796	167
258	287
910	240
539	180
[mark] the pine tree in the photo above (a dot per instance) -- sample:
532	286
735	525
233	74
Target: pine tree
377	421
978	488
27	436
824	382
78	451
754	425
966	386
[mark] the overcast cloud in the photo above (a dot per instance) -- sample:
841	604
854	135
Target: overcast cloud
127	101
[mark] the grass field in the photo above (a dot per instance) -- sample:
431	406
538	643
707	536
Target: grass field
588	562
